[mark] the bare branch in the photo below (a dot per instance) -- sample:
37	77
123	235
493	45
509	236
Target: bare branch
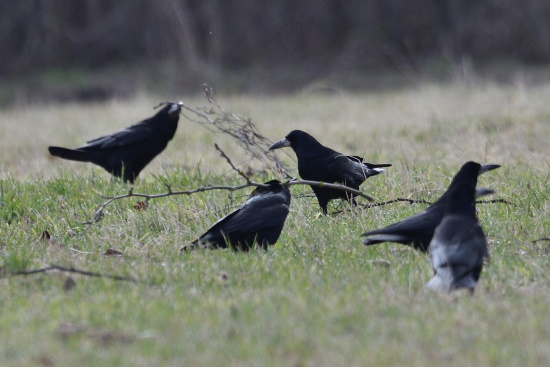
240	128
495	201
422	201
68	270
99	212
198	113
410	201
98	215
331	186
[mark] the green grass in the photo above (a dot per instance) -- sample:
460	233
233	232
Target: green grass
316	298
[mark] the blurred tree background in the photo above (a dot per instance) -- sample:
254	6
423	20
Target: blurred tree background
264	45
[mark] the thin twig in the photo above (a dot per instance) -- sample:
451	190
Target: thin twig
242	129
495	201
99	212
410	201
68	270
330	186
200	114
241	173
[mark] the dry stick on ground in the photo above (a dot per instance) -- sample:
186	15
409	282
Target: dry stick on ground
99	212
410	201
495	201
422	201
67	270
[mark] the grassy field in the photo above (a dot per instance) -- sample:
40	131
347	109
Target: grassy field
318	297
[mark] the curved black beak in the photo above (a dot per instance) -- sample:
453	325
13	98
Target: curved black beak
280	144
487	167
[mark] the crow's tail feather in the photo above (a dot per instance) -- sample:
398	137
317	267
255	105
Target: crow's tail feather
371	165
70	154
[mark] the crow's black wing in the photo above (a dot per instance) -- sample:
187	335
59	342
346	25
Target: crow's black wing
128	136
344	170
418	227
256	214
352	170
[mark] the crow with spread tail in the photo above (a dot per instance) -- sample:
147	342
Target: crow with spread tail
259	221
417	230
126	152
319	163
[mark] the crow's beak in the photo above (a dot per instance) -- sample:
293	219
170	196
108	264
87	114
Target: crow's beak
482	191
280	144
487	167
175	108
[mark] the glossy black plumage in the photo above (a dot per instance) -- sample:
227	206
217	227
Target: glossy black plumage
259	220
458	247
126	152
417	230
319	163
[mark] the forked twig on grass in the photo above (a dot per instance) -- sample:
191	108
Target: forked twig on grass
98	215
249	183
67	270
99	212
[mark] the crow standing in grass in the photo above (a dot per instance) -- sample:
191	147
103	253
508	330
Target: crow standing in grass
259	220
126	152
319	163
417	230
458	247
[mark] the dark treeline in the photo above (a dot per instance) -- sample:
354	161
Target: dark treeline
233	35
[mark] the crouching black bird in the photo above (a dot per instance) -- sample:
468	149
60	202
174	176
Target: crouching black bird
319	163
417	230
126	152
259	220
458	247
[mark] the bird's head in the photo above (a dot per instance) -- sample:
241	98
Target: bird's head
471	170
172	109
293	139
272	187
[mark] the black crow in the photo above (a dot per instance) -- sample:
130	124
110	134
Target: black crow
126	152
319	163
417	230
259	220
458	247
